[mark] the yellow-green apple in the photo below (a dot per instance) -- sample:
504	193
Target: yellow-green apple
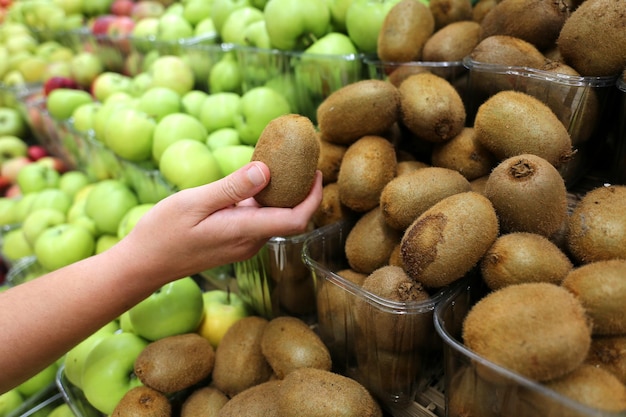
338	10
231	158
173	27
173	72
62	102
225	75
107	83
130	134
195	11
176	308
84	116
24	206
108	202
142	82
39	220
222	309
108	370
125	323
293	24
11	122
73	181
364	19
70	6
189	163
11	167
96	7
220	110
38	382
256	35
63	244
206	30
103	113
36	177
259	106
158	102
131	218
192	102
147	8
173	127
52	198
15	246
221	9
8	213
145	31
104	242
12	146
226	136
61	410
235	25
85	67
10	401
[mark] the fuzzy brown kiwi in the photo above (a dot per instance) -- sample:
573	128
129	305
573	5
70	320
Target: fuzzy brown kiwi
239	361
450	11
407	196
597	225
260	400
404	167
609	352
481	8
478	185
318	393
538	330
367	107
529	195
395	258
446	241
452	42
204	401
174	363
143	401
515	258
329	160
583	39
367	166
289	147
405	29
511	123
509	51
370	241
431	108
601	288
331	209
288	343
463	153
402	71
536	21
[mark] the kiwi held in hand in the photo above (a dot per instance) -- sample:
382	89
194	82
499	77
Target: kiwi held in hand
405	29
290	148
143	401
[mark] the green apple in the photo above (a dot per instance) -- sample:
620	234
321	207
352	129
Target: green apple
73	181
131	218
85	66
10	401
145	30
37	177
231	158
158	102
108	202
234	28
286	85
108	82
130	135
15	246
189	163
74	360
108	370
192	102
176	308
52	198
24	206
338	10
364	19
206	29
142	82
11	122
173	27
221	9
8	214
292	24
39	381
63	244
173	72
195	11
222	309
62	410
226	136
84	116
220	110
11	147
225	75
39	220
105	241
173	127
125	323
259	106
102	114
256	34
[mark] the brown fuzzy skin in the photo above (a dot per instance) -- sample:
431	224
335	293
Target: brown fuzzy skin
597	226
174	363
367	107
481	8
205	401
330	160
290	148
260	400
536	21
317	393
463	153
516	258
331	210
405	29
407	196
447	240
609	352
593	39
431	108
404	167
529	195
370	242
367	166
538	330
478	185
601	288
143	401
511	123
446	12
452	42
509	51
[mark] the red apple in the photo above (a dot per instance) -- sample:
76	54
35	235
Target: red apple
12	166
120	30
13	191
53	162
36	152
59	82
100	25
5	183
122	7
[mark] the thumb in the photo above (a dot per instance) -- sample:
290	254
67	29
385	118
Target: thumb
244	183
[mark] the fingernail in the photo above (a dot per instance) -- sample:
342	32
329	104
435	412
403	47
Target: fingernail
255	175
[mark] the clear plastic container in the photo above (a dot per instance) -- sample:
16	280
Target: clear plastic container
39	404
74	397
618	164
24	270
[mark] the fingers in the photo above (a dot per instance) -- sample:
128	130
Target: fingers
238	186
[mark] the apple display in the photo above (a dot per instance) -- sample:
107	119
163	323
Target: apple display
62	102
173	127
192	102
108	83
188	163
84	116
131	218
291	24
8	215
71	182
85	66
52	198
364	19
220	110
146	9
222	309
195	11
142	82
235	25
158	102
63	244
173	72
173	27
11	167
130	136
259	106
108	202
24	206
176	308
226	136
12	146
15	246
11	122
36	177
122	7
231	158
225	75
205	29
39	220
221	9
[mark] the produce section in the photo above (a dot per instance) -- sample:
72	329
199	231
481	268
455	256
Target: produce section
464	158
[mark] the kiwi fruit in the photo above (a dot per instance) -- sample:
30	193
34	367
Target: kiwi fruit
290	148
288	343
609	352
320	393
329	160
446	241
405	167
173	363
395	258
399	72
511	123
601	288
407	196
331	209
297	296
516	258
478	184
597	226
583	43
507	50
369	243
452	42
366	107
446	12
143	401
239	361
481	8
405	29
539	330
514	17
260	400
463	153
431	107
529	195
203	401
367	166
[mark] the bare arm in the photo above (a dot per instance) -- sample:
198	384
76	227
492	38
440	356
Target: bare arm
189	232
